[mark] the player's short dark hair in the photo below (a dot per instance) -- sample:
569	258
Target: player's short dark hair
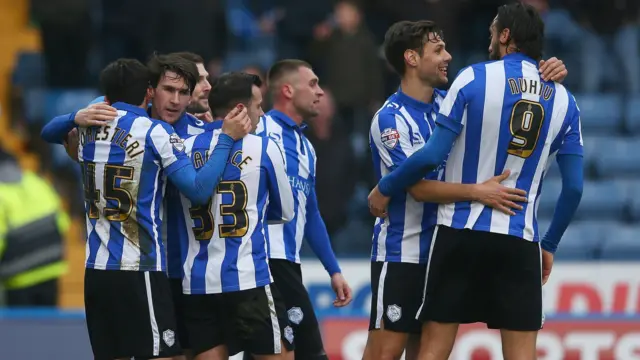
229	89
284	67
160	64
125	80
194	58
407	35
525	26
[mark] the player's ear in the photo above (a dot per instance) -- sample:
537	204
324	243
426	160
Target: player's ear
150	93
411	58
287	91
505	35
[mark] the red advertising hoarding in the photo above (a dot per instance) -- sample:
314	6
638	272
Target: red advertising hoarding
560	340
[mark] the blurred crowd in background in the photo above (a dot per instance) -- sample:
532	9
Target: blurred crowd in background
598	40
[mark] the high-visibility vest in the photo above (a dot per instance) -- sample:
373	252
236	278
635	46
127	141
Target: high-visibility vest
32	224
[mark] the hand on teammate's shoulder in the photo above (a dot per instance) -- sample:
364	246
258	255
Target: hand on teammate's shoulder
97	114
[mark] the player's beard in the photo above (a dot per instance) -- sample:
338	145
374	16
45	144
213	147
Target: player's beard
495	50
196	108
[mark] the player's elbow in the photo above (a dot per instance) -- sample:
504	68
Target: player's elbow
573	191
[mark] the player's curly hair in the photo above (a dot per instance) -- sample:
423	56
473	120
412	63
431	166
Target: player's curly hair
408	35
526	28
125	80
159	65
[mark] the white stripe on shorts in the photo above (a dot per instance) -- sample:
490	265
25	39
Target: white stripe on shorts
426	277
380	298
152	316
275	325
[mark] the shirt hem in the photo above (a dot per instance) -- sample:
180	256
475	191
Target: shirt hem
227	289
124	267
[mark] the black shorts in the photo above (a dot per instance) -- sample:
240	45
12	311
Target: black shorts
178	306
477	276
396	296
253	321
130	314
287	276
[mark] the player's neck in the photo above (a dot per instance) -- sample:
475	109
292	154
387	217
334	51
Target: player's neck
416	89
287	109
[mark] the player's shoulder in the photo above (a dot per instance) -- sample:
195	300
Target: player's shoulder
200	141
389	111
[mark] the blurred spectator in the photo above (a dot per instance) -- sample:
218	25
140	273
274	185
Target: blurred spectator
32	224
351	67
336	173
66	39
298	24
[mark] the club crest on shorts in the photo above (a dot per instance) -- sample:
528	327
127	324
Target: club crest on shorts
169	337
288	334
295	315
394	312
390	138
177	143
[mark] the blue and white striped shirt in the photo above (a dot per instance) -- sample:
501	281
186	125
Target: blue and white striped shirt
227	239
401	127
285	240
507	117
175	229
125	164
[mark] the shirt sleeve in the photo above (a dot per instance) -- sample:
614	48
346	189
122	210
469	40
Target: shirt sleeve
454	105
57	129
391	139
572	140
167	147
281	205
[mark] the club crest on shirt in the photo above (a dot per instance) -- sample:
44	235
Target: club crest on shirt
390	138
394	312
176	142
169	337
295	315
288	334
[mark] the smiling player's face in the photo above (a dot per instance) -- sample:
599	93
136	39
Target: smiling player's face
434	62
171	98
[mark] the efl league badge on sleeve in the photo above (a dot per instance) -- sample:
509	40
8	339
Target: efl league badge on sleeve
390	138
177	143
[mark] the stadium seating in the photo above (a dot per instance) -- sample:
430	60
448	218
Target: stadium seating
622	243
603	200
582	241
632	115
600	113
29	71
618	157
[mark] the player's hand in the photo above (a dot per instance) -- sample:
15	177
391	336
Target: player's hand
553	70
492	193
342	290
237	123
71	144
205	116
547	264
378	203
98	114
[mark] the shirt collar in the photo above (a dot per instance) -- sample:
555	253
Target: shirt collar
130	108
518	56
417	104
284	119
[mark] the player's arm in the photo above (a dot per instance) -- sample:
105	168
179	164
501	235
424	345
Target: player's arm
448	127
315	231
490	193
96	114
281	205
571	165
197	186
